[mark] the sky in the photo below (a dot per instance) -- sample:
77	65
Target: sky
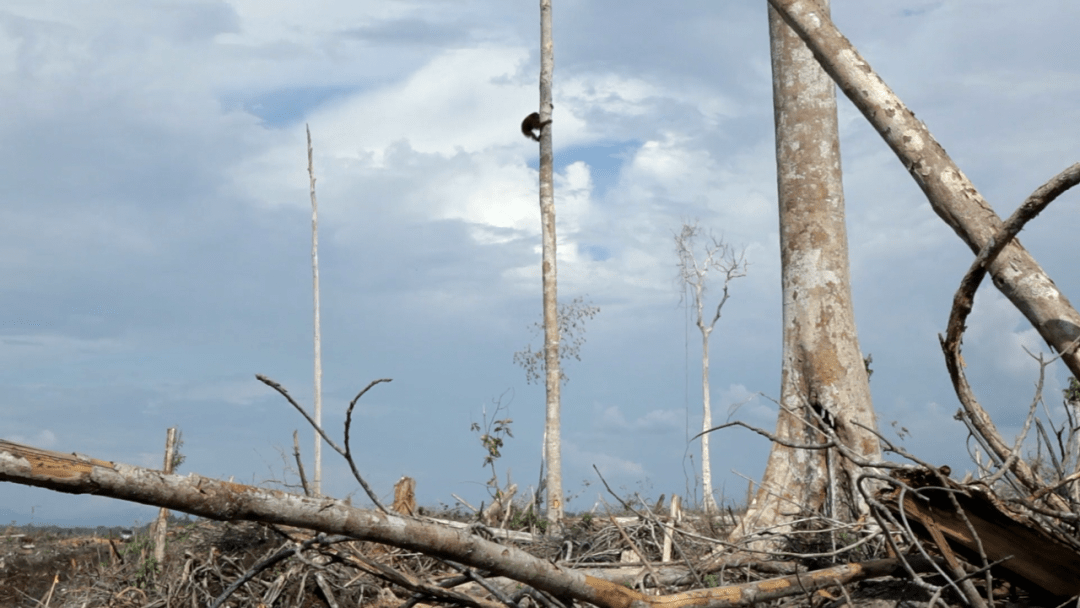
155	240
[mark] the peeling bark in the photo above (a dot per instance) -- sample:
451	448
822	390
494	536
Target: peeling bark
1032	554
222	500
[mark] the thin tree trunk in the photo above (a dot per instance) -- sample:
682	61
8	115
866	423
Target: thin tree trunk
953	197
316	482
823	373
718	257
161	527
708	502
552	437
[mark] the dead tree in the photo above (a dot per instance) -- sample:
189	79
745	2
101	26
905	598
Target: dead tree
721	257
317	480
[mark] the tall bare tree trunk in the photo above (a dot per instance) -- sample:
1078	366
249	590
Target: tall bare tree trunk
317	480
823	375
719	256
552	441
708	501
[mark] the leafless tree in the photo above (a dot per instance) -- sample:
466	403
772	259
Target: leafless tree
721	257
317	480
824	379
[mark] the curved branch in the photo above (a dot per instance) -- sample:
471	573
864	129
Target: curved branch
344	452
963	302
774	438
348	450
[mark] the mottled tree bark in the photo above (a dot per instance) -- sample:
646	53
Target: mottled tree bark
552	430
824	380
953	197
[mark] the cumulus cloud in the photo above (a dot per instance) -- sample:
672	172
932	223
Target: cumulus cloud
620	468
612	419
156	247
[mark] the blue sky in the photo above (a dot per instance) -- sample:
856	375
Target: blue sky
155	242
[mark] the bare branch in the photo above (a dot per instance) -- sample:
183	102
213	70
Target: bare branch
300	464
963	302
771	437
348	421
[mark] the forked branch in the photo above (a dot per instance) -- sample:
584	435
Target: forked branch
346	453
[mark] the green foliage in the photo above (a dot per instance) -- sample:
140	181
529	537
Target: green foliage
528	518
571	319
493	435
493	439
178	456
1072	394
141	550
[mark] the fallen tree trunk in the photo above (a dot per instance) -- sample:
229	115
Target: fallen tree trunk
222	500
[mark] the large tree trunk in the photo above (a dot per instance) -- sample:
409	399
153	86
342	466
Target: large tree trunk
953	197
553	383
823	378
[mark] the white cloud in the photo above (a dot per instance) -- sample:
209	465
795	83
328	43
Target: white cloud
156	158
612	419
49	345
609	465
462	100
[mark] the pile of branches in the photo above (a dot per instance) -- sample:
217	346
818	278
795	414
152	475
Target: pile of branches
251	564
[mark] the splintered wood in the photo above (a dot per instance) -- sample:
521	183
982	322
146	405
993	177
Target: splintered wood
405	496
1034	554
